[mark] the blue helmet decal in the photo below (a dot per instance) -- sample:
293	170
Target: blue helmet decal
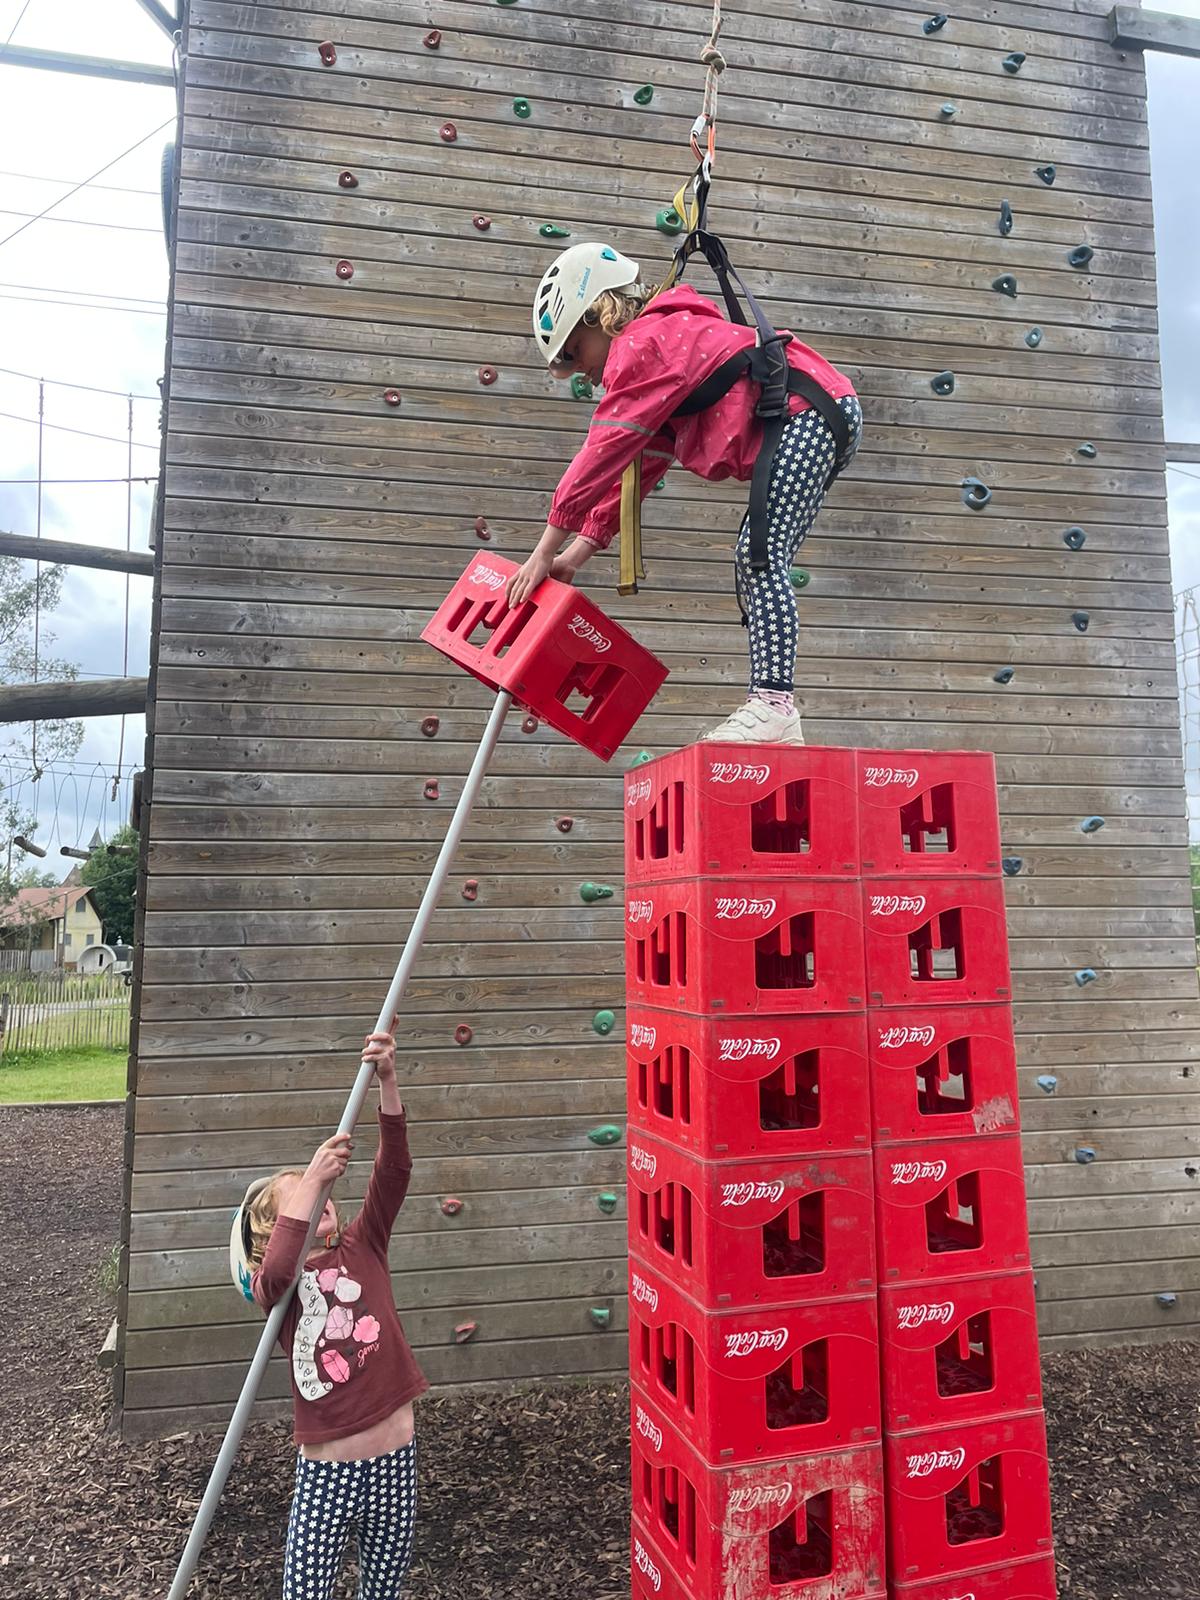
547	322
608	255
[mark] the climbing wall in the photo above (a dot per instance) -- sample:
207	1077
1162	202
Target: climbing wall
370	190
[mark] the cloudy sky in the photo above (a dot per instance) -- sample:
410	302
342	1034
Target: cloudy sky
82	304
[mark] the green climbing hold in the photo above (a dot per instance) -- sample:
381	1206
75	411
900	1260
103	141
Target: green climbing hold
1005	284
644	95
975	493
1080	256
1006	219
581	386
935	24
1034	338
1014	61
1003	675
1081	619
551	230
641	758
522	107
669	221
606	1133
506	2
1047	174
943	383
799	578
589	893
604	1023
1074	538
607	1201
947	109
1087	450
601	1316
661	484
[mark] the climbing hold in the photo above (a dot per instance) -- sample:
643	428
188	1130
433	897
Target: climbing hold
451	1205
1014	61
1080	256
1081	620
606	1133
463	1034
975	493
432	39
391	397
581	387
345	270
644	95
935	24
481	222
1006	219
943	383
1091	824
488	376
1074	538
565	824
347	180
1005	284
1085	1155
589	893
1004	675
799	578
641	758
607	1202
947	109
661	484
522	107
482	531
1166	1300
430	726
1012	865
327	52
1087	449
431	791
1034	338
604	1022
1047	174
464	1332
1047	1083
529	724
601	1316
470	890
1084	976
506	2
551	230
668	221
447	133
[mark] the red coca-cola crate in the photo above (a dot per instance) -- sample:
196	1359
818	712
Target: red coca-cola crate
735	810
758	945
959	1351
725	1087
951	1210
746	1385
937	943
925	812
943	1073
1016	1580
750	1233
556	653
807	1527
969	1496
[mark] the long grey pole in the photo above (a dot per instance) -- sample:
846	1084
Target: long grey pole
358	1094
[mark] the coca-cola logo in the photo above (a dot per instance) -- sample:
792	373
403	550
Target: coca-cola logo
752	1339
645	1565
639	911
919	1315
917	1171
743	1049
885	777
731	907
741	1194
583	629
644	1293
929	1461
888	905
642	1160
737	772
648	1428
896	1038
760	1494
485	577
640	1034
638	791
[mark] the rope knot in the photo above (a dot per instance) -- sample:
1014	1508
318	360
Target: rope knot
712	58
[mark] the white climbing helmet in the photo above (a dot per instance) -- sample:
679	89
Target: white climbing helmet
570	284
241	1241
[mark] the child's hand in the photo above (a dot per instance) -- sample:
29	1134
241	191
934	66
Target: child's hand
381	1049
330	1159
524	582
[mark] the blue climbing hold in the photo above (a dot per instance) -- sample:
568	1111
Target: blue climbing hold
1085	1155
1091	824
1006	219
1080	256
1034	338
1014	61
1005	284
1047	1083
947	109
1004	675
975	493
935	24
1012	865
1047	174
1081	619
1084	976
1074	538
943	383
1166	1300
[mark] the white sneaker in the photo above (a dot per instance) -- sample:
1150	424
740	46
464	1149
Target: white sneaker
758	723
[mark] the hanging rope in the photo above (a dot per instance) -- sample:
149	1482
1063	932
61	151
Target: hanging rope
705	125
37	569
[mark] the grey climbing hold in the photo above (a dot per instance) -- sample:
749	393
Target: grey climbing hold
1004	675
1084	976
606	1133
1087	449
1081	619
1006	219
1014	61
975	493
1047	174
607	1202
603	1022
1005	284
1047	1083
1167	1300
1084	1154
1074	538
589	893
1080	256
1034	338
947	109
1012	865
1091	824
943	383
935	24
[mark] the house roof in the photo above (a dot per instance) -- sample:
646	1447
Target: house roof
39	905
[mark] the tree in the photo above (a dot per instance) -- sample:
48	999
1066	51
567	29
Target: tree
112	880
26	599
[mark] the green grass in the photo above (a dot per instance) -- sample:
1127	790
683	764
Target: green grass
83	1074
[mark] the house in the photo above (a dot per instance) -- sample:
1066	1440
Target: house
54	925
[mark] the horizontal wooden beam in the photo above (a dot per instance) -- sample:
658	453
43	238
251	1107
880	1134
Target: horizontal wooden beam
86	66
76	555
103	697
1181	452
1131	28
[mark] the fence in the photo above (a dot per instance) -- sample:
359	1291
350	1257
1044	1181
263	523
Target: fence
28	960
63	1011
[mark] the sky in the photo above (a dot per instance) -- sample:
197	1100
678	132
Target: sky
82	304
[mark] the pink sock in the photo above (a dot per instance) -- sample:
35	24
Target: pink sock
777	699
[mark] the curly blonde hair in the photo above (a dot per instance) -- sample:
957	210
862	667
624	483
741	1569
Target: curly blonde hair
263	1213
615	309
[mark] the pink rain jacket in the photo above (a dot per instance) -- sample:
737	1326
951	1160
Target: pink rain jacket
652	367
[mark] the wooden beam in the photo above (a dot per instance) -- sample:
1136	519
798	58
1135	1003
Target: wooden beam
1131	28
76	555
166	21
87	66
103	697
1182	452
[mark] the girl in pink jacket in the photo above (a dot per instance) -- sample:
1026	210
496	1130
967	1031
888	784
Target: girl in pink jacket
592	316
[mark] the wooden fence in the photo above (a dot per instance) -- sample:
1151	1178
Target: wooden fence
62	1011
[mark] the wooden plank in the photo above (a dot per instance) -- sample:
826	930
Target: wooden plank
1131	28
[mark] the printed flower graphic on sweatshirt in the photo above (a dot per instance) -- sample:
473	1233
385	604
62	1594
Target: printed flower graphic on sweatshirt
322	1326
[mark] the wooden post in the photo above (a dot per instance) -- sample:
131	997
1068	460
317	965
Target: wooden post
67	553
103	697
3	1021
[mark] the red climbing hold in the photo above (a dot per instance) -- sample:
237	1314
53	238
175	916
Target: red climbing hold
451	1205
432	39
470	889
482	531
530	725
327	52
430	726
345	269
464	1332
347	180
447	133
391	397
565	824
463	1034
481	222
488	376
432	791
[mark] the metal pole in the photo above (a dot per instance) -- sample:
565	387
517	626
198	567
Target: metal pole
354	1105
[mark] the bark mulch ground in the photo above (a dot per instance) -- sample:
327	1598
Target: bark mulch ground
522	1494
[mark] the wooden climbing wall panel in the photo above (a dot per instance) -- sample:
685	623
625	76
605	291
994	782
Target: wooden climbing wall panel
310	527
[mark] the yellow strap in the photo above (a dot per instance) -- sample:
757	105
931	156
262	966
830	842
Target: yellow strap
631	528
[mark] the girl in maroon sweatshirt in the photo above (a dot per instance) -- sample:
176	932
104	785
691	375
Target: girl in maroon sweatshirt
354	1378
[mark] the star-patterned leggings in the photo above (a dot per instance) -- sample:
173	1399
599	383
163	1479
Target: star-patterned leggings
802	464
376	1499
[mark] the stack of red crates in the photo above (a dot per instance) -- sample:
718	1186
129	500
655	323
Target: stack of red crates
968	1507
754	1350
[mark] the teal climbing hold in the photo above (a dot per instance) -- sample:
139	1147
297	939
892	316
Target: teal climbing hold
1047	1083
943	383
607	1201
661	484
641	758
1014	61
1034	338
1047	174
1004	675
1012	865
606	1133
1084	1154
644	95
947	109
581	386
551	230
1091	824
1080	256
589	893
1081	619
1074	538
1084	976
975	493
799	578
604	1022
601	1316
1006	219
669	221
935	24
506	2
522	107
1087	449
1005	284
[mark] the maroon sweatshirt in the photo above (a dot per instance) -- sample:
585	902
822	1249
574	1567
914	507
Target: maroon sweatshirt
351	1363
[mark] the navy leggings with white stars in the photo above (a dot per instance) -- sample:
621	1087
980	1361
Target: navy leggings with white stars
376	1500
798	475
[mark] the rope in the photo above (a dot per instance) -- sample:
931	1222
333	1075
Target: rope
706	123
